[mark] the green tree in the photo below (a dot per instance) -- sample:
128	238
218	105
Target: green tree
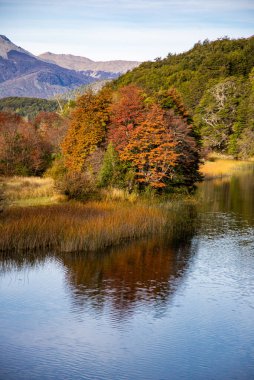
112	171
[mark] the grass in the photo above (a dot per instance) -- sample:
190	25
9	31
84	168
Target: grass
219	166
29	191
45	223
77	227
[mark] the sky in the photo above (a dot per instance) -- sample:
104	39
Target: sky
123	29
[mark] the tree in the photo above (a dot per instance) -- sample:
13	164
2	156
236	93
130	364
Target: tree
126	112
245	142
21	148
87	129
151	150
187	149
172	99
52	129
217	114
111	172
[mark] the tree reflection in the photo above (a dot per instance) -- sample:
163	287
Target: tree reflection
143	273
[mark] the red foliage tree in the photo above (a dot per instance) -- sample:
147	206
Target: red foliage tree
126	112
151	149
21	149
188	157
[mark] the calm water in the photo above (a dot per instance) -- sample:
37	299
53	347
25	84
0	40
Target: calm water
149	310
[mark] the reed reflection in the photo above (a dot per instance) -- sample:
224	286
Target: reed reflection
143	273
234	195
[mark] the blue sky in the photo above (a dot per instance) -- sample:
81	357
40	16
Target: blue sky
122	29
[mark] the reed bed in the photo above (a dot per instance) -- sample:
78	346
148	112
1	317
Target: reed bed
73	227
217	167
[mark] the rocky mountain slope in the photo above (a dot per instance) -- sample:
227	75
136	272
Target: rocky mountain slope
81	63
23	74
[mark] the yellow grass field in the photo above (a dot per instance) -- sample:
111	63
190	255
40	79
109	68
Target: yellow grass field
217	166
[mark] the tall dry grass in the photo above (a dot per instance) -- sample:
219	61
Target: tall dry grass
26	191
77	227
74	226
217	166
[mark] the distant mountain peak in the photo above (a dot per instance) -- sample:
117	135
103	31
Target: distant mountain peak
23	74
4	38
64	60
74	62
6	46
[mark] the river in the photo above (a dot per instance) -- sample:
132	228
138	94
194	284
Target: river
152	309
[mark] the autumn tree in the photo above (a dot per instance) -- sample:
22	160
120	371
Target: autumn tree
151	150
186	169
87	129
21	148
52	128
126	112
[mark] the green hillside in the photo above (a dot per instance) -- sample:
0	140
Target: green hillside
216	81
28	107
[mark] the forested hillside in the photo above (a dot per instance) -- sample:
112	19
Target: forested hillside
28	107
216	81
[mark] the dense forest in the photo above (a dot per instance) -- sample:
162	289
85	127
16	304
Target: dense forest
216	82
146	131
28	107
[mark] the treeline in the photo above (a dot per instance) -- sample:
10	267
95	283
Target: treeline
29	147
216	82
28	107
123	139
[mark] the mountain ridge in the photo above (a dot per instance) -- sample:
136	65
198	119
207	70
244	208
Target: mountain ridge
80	63
26	75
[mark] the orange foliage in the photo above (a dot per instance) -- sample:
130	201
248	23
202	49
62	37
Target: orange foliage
151	149
87	129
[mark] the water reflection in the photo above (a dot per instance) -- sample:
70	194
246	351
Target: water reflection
231	195
149	310
144	273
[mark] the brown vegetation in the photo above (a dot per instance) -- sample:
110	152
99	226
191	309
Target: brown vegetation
77	227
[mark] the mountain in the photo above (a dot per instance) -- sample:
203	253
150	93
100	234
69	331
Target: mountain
23	74
69	61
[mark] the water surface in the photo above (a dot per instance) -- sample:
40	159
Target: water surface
151	309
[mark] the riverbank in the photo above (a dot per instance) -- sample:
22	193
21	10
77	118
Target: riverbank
36	217
217	166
